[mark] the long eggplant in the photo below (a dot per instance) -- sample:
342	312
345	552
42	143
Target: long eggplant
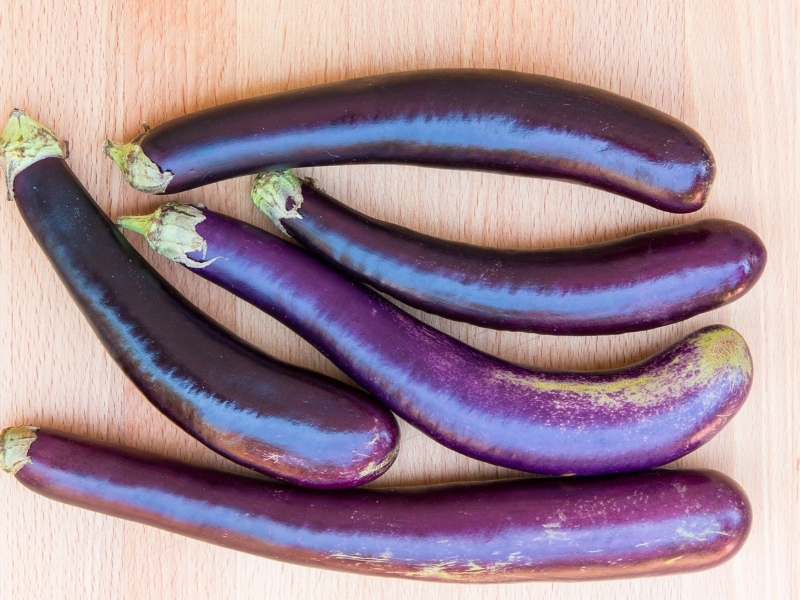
534	420
278	419
488	120
647	523
635	283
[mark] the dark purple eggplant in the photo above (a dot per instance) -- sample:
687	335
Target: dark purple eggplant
280	420
535	420
635	283
481	119
648	523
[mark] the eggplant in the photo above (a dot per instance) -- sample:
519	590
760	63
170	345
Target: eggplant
535	420
283	421
630	284
483	119
648	523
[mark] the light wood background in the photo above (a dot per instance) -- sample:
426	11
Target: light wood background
94	69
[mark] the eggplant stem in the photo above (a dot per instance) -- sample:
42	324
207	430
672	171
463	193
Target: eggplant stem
14	444
278	195
172	231
24	142
139	171
138	223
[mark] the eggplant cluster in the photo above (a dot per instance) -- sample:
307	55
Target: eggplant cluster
619	517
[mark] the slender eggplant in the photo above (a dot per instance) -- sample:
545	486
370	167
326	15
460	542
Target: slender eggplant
278	419
535	420
635	283
489	120
648	523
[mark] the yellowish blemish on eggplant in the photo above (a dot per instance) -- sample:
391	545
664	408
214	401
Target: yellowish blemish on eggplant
446	570
439	570
724	346
713	529
700	360
380	466
636	390
383	558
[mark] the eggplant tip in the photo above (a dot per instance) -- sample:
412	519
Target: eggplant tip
139	171
696	197
377	468
14	445
24	142
723	346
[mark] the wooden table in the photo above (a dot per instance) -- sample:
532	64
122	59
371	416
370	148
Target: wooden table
96	69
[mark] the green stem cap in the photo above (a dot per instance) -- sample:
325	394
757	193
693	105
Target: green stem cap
14	444
24	142
172	232
278	195
140	172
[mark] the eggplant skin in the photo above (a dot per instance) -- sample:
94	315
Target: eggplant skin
631	284
639	524
283	421
482	119
536	420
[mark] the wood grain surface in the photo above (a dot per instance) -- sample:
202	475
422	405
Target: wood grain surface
96	69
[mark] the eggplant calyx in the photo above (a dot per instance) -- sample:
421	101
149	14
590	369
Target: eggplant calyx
14	444
278	195
172	232
139	170
23	142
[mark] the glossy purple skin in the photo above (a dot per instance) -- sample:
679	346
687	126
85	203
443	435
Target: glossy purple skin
283	421
646	523
487	120
535	420
630	284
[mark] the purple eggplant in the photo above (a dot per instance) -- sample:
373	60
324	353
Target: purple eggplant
635	283
481	119
536	420
648	523
280	420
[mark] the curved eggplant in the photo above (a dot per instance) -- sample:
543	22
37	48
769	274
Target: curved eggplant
648	523
278	419
481	119
635	283
541	421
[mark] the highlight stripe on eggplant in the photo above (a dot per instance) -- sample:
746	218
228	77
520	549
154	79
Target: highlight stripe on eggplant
267	415
536	420
630	284
639	524
488	120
